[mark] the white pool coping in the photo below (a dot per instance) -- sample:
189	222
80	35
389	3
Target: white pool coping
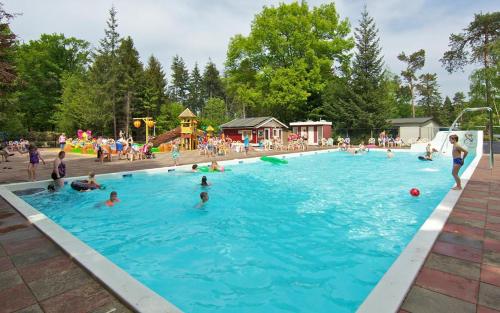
392	288
389	293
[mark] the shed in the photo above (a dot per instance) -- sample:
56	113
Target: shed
411	129
314	131
257	128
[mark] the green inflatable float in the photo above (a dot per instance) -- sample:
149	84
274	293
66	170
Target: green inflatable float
206	169
273	160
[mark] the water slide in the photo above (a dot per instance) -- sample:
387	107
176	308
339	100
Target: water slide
471	140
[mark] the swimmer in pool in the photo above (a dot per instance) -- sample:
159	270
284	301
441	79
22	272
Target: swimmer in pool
390	154
113	198
204	199
194	168
204	182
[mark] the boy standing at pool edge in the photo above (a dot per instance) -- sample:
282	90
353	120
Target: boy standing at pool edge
458	160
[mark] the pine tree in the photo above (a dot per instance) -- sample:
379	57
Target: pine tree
414	62
179	88
448	112
368	74
430	98
106	66
155	87
130	77
212	83
195	101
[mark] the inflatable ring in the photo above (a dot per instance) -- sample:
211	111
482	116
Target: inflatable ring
81	185
206	169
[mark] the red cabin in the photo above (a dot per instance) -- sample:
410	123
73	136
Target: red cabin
257	128
313	131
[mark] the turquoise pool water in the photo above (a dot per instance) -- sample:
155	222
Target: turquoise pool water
314	235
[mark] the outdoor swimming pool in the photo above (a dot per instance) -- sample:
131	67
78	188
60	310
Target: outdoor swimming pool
316	234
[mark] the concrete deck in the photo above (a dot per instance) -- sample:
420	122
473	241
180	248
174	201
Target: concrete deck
462	272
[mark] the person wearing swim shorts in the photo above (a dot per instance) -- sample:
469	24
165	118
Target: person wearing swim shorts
59	169
459	154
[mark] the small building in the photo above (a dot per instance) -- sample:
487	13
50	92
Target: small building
412	129
313	131
257	128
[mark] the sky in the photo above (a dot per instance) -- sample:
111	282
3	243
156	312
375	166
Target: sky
199	30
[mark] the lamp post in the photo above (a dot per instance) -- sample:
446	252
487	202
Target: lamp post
148	122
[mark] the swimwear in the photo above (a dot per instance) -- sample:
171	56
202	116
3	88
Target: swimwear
34	158
62	171
458	161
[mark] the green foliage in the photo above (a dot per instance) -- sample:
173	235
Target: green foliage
155	85
214	113
478	43
430	99
212	84
414	62
169	116
179	87
41	64
286	60
196	98
368	79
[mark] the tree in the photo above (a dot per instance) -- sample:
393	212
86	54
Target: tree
155	84
475	45
286	60
41	64
195	98
130	76
368	74
214	113
448	112
212	84
179	88
169	116
106	66
414	62
430	98
10	117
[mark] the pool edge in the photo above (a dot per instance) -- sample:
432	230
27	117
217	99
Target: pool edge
128	289
389	293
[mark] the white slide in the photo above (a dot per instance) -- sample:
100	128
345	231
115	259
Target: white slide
471	140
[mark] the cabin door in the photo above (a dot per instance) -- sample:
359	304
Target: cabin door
310	135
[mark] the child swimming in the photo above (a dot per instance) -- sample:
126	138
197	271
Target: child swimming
204	181
459	154
204	199
113	198
92	181
390	154
194	168
35	158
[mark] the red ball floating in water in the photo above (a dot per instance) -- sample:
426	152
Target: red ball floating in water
415	192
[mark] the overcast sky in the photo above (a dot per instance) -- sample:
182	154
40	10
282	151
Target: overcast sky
200	29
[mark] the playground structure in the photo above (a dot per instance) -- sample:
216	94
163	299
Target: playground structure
189	123
210	131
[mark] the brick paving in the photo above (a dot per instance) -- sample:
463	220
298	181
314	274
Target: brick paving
462	272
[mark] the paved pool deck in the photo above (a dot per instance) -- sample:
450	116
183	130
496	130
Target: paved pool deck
462	272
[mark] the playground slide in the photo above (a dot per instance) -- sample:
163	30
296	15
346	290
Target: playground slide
471	140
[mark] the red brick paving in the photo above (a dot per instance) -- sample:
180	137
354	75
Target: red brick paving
480	202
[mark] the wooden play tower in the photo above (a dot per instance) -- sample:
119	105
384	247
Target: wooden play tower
188	129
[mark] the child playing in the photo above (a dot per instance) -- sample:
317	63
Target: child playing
175	153
390	154
113	198
35	158
204	181
194	168
459	154
92	182
204	199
